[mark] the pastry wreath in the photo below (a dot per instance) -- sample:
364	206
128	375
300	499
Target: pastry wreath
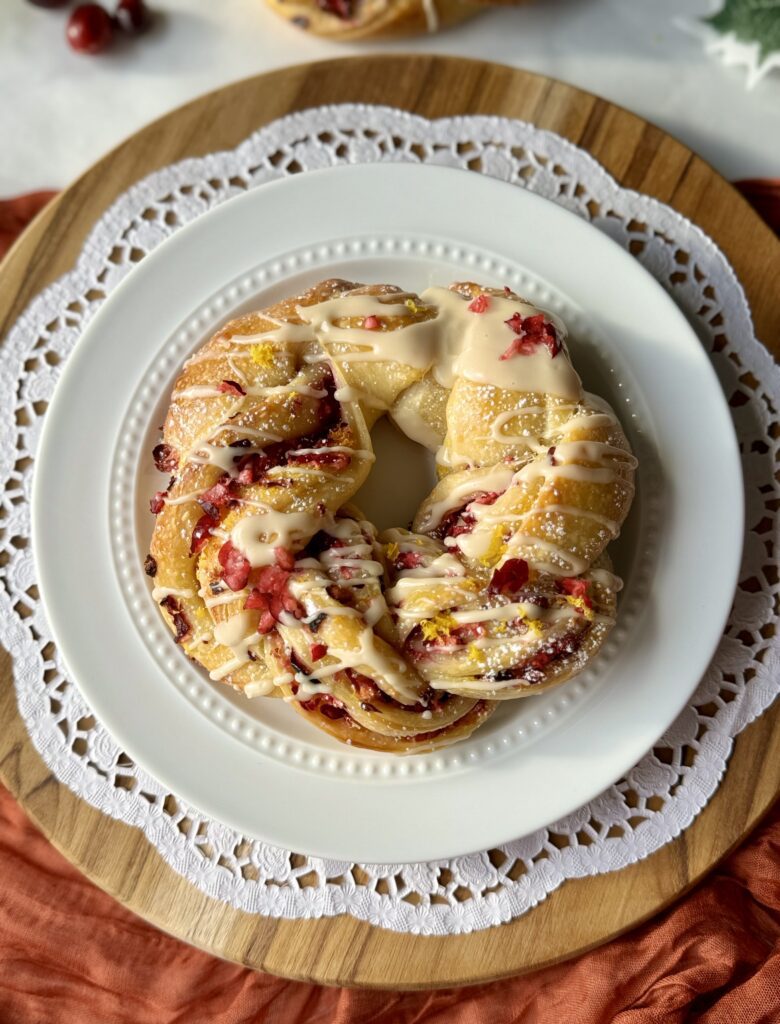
403	642
349	20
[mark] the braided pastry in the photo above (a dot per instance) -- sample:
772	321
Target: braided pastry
273	582
349	20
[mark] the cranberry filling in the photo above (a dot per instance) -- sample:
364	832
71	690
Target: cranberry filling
255	465
510	578
576	588
180	623
318	651
218	496
270	593
326	705
408	560
531	670
341	9
459	520
235	567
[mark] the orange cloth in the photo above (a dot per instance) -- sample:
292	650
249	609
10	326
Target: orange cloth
70	954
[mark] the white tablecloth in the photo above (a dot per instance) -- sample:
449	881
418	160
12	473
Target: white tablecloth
60	111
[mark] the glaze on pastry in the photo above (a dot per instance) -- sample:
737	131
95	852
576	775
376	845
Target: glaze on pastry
279	587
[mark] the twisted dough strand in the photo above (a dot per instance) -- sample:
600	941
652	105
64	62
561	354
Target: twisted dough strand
404	642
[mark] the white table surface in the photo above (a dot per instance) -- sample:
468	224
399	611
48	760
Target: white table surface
60	111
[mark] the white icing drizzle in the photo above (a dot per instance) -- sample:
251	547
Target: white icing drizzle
454	343
214	600
254	391
349	393
492	478
239	633
431	15
160	593
280	529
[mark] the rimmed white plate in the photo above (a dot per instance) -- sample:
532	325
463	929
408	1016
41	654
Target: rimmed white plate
256	765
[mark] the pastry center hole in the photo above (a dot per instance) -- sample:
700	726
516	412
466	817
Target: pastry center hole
404	473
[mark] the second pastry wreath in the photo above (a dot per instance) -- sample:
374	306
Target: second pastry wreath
402	641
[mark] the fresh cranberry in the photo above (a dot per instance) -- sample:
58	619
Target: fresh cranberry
89	29
131	16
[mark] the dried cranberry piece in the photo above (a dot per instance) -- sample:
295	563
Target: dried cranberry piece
150	566
157	503
262	603
180	623
271	595
576	588
531	331
333	711
218	495
235	567
318	651
488	498
202	531
509	578
317	621
252	467
479	304
371	323
166	459
551	456
230	387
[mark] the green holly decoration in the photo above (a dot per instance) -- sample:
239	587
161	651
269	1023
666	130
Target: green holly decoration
751	21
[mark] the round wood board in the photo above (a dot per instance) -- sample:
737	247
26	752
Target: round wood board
582	913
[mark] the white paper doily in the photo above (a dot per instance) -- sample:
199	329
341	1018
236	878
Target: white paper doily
643	811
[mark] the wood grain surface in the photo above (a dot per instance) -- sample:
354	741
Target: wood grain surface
582	913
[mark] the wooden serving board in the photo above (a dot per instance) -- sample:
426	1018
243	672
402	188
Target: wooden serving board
582	913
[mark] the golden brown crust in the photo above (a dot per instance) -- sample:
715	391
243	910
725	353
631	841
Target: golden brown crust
276	586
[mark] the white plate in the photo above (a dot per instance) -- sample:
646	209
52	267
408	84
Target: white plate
258	766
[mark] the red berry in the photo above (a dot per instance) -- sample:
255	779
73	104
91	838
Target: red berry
131	16
89	29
